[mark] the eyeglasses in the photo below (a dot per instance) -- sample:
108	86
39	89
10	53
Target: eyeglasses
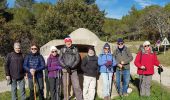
33	48
146	45
53	51
106	48
18	48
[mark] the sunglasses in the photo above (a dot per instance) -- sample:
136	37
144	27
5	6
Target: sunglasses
146	45
120	43
53	51
33	48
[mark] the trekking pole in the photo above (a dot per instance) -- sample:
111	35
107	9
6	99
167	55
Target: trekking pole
120	74
160	69
34	86
141	81
67	84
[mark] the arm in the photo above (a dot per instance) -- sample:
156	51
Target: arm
114	63
137	61
130	57
156	61
42	64
83	64
101	62
77	59
49	65
6	65
61	58
26	64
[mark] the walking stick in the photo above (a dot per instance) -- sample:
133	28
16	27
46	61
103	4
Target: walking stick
160	69
34	87
67	77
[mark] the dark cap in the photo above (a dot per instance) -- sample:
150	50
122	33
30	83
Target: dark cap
119	40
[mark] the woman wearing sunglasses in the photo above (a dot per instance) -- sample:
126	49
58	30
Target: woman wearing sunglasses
34	64
53	73
145	61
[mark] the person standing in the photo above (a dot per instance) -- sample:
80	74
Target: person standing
53	73
123	57
89	67
145	61
106	63
69	58
15	72
34	64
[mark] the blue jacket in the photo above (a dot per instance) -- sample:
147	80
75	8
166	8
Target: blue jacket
104	58
35	61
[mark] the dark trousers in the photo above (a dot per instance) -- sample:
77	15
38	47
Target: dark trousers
54	88
39	87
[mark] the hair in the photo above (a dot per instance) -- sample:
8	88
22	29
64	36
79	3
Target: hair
35	44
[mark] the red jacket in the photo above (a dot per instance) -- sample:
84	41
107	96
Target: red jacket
147	60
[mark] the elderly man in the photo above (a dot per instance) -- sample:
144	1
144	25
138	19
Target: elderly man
15	72
69	59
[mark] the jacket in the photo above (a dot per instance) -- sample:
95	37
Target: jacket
35	61
124	55
89	66
104	58
14	66
53	66
147	60
69	57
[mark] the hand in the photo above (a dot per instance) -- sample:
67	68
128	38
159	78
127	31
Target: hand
68	70
122	62
142	67
26	76
120	66
8	77
32	71
108	63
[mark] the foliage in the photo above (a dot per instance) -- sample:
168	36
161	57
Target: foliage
30	21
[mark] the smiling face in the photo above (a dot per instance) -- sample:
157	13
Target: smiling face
147	47
120	44
54	52
34	49
68	44
17	49
106	50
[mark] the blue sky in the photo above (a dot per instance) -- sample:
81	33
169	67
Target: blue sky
116	8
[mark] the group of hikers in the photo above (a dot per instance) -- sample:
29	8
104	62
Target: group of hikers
65	61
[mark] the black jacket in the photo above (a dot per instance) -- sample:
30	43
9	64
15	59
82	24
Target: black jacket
89	66
14	65
69	57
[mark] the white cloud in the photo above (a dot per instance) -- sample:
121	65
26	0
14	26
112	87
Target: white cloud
144	3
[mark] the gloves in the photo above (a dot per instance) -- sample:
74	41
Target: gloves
108	63
160	69
68	70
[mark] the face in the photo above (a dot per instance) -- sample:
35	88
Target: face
17	49
106	50
34	49
54	52
147	47
68	44
91	52
120	44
